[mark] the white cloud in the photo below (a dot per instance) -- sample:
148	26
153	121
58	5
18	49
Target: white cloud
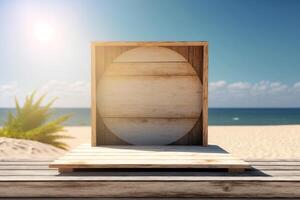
261	86
69	93
260	94
277	87
239	86
65	87
268	87
296	85
217	85
10	88
7	94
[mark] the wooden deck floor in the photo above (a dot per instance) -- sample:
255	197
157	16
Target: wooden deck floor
266	179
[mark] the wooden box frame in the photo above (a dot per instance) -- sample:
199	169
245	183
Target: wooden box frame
196	53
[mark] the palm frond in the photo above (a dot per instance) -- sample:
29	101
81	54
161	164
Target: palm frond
32	122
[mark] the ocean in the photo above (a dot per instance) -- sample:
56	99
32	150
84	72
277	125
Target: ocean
216	116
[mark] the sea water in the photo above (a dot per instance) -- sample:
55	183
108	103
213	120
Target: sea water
216	116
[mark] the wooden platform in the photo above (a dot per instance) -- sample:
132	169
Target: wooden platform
211	157
266	179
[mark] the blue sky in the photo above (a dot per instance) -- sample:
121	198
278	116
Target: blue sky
254	46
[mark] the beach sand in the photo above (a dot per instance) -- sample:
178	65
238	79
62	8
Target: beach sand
18	149
258	142
247	142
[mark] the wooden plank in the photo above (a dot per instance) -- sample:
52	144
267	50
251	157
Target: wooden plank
93	94
182	175
28	172
157	189
149	55
45	171
104	176
150	43
157	158
193	137
140	157
204	100
276	167
150	69
121	157
105	58
24	163
174	97
143	165
194	58
17	167
286	160
154	162
276	163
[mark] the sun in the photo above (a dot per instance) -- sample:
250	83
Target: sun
43	31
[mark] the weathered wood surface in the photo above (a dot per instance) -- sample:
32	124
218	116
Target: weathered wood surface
137	103
205	96
266	179
86	156
166	75
150	69
150	55
176	97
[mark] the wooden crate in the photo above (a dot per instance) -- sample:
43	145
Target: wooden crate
149	93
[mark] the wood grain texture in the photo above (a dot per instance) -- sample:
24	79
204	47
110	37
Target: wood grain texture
93	96
33	179
106	52
148	157
250	189
148	94
149	55
205	97
150	69
104	57
271	170
194	55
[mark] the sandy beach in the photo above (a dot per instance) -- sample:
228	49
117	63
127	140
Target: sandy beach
19	149
258	142
247	142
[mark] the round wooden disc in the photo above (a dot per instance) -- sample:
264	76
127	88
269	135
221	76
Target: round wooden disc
149	96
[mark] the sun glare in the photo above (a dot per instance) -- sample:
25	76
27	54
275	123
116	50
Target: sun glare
43	31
